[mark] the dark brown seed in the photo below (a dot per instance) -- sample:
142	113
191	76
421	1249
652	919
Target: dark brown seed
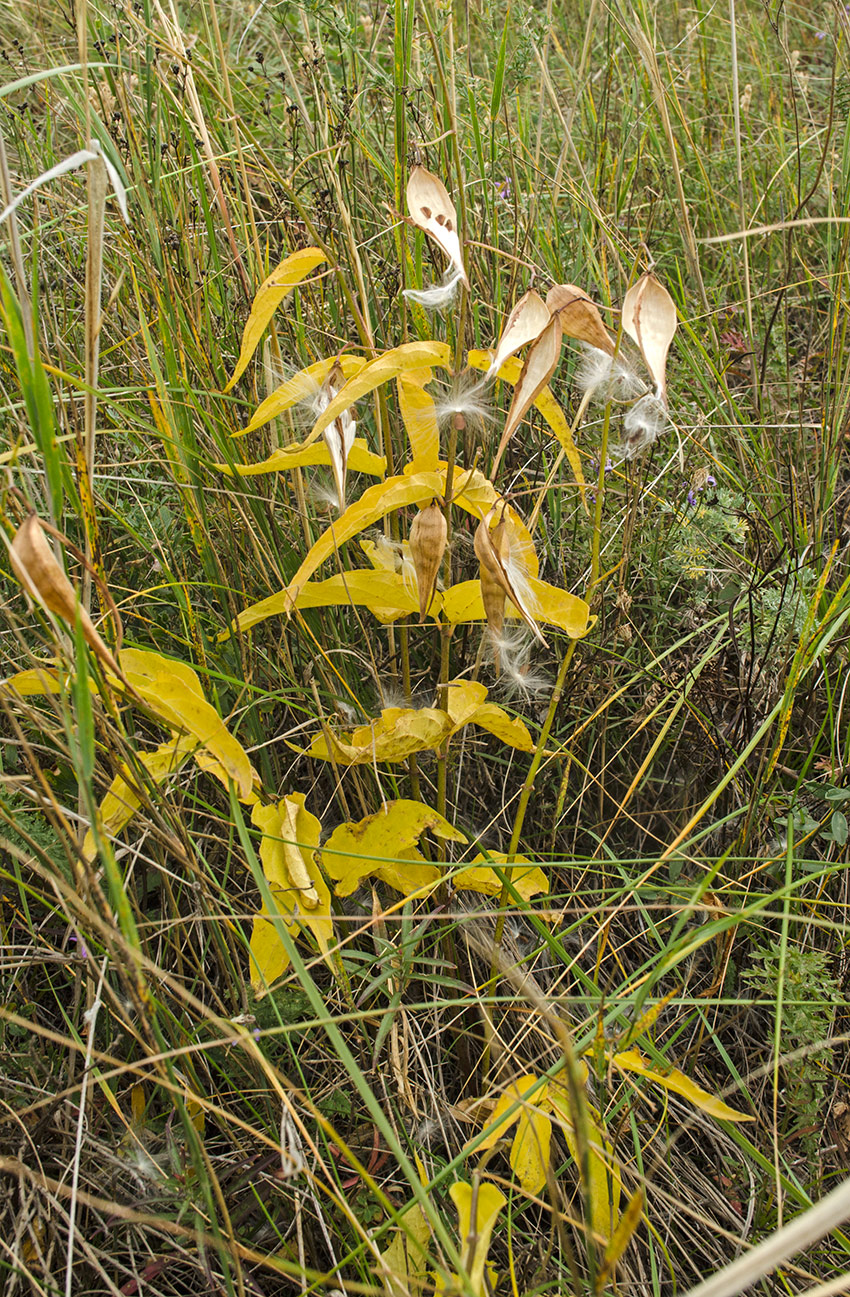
426	212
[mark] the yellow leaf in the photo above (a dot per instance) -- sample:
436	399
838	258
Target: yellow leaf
383	846
631	1060
529	1154
35	683
172	692
620	1239
360	460
471	491
288	853
387	594
270	294
419	415
510	730
478	1210
399	732
462	603
479	876
544	401
405	1257
502	1118
409	356
302	386
602	1193
123	798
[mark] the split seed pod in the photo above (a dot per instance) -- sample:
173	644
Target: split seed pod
433	211
650	320
579	316
428	538
526	322
339	435
540	364
493	551
36	568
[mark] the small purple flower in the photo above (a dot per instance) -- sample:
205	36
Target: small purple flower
83	953
256	1033
692	499
505	189
711	481
820	36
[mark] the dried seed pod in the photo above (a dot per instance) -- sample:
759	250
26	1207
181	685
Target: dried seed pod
433	211
339	436
428	537
649	318
579	316
525	323
493	550
540	365
41	576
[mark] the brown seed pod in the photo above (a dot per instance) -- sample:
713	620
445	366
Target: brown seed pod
428	537
493	550
41	576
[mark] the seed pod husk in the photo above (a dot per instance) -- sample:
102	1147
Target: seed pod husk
492	548
579	316
428	539
35	566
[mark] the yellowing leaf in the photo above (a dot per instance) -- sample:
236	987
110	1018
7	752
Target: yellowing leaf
465	703
172	692
503	1118
419	415
409	356
303	386
360	460
405	1256
478	1210
270	294
510	729
288	853
433	211
529	1154
383	846
462	603
38	682
480	876
620	1239
602	1192
399	732
631	1060
545	402
375	502
124	798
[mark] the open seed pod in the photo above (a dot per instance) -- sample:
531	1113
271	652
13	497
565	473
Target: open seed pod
525	323
540	365
650	320
579	316
339	435
428	537
500	568
41	576
433	211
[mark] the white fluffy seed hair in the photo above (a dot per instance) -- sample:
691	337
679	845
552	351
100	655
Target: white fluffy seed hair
607	379
645	421
468	396
513	648
439	297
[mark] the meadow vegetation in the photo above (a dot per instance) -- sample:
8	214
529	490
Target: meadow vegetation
424	707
